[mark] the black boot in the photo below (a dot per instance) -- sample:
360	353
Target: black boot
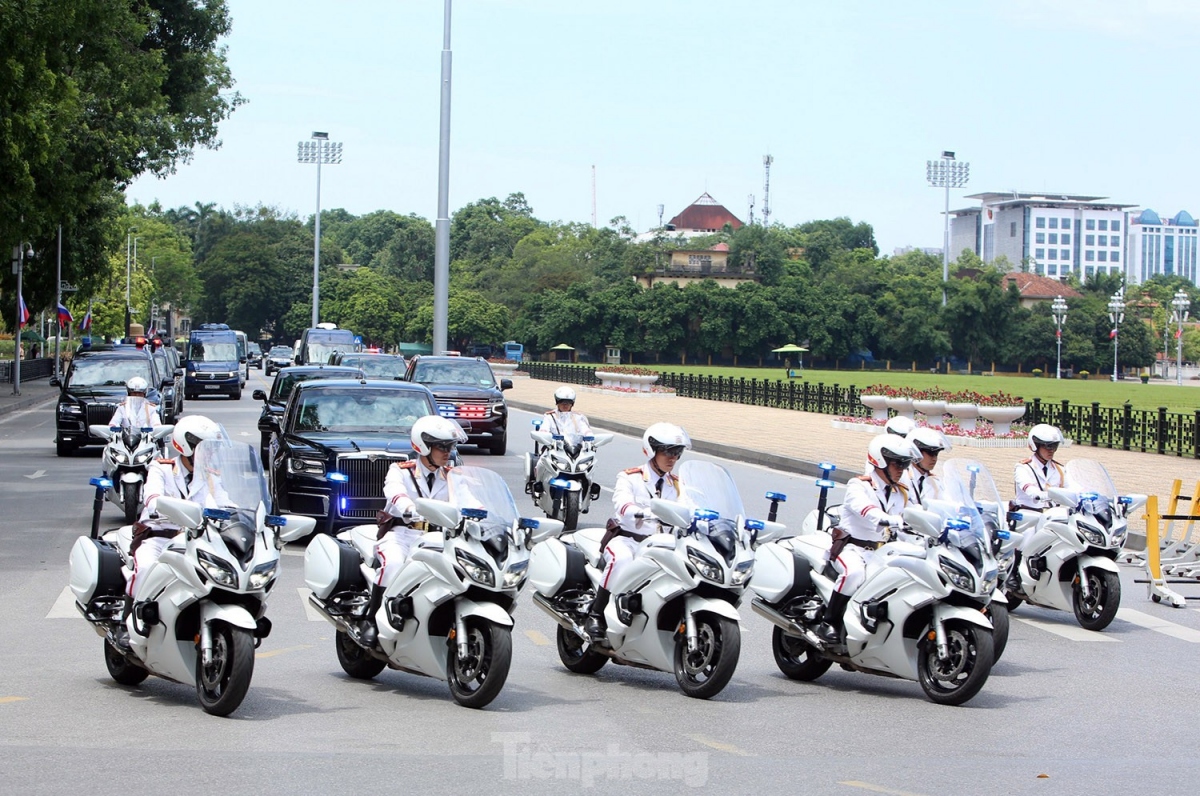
830	630
1012	584
122	632
595	626
367	631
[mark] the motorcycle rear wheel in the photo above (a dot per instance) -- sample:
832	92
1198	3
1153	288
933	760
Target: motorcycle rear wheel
575	657
570	510
960	677
796	658
355	660
477	679
703	673
222	684
131	501
120	669
1100	608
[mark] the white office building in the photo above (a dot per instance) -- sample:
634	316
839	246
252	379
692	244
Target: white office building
1055	234
1161	246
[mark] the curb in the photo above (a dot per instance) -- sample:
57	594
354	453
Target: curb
771	460
25	402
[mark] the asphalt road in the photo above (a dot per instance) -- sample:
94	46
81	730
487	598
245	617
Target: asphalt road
1065	711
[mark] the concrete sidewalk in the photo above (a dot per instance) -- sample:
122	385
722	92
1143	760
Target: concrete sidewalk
32	394
787	440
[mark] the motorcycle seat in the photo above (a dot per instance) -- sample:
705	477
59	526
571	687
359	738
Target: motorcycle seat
588	542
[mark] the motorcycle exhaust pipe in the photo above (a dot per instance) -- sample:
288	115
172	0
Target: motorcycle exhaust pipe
774	617
337	622
544	604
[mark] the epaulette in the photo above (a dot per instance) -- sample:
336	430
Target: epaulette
408	465
632	470
866	478
1027	461
550	412
166	461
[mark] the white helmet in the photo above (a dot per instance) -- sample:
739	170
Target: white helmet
900	426
564	394
432	429
137	384
664	435
887	448
928	440
191	431
1044	434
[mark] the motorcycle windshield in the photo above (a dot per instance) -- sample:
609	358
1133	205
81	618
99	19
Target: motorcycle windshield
706	485
572	443
1095	487
228	474
478	488
967	484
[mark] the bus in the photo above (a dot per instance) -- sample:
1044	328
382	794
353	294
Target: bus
513	350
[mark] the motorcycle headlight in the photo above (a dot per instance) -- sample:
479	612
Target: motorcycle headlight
561	458
263	574
477	569
217	570
958	576
742	572
120	457
143	457
708	567
297	464
516	574
1094	536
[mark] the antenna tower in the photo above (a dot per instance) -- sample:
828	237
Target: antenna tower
660	212
750	199
766	210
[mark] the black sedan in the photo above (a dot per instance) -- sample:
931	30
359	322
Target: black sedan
335	442
285	380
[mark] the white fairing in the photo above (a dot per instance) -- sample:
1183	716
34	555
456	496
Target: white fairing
773	571
85	569
322	565
548	567
547	529
296	527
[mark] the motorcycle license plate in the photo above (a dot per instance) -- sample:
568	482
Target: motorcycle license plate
212	386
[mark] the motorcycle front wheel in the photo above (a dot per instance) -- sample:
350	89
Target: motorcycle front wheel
1099	608
703	672
221	685
570	510
958	677
355	660
796	658
131	501
475	680
119	667
998	612
573	655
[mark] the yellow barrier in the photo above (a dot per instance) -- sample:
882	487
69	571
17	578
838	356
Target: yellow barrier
1157	584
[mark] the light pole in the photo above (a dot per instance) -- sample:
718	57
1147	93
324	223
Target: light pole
1179	314
947	173
441	233
1116	314
20	252
128	270
1059	310
319	150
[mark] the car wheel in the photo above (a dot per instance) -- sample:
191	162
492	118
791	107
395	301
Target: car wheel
63	448
498	444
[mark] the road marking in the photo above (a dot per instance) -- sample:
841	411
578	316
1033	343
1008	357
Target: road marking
288	551
1151	622
313	614
720	747
876	788
273	653
10	700
1072	632
537	638
64	606
38	474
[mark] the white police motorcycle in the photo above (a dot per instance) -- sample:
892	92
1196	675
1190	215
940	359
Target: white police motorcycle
559	477
207	609
1071	561
675	608
448	612
127	456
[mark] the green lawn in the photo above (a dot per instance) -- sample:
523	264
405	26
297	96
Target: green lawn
1077	391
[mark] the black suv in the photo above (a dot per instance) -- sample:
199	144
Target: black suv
285	380
334	445
466	390
91	389
376	366
171	388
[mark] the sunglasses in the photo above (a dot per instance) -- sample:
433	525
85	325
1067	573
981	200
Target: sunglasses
1050	446
444	447
674	451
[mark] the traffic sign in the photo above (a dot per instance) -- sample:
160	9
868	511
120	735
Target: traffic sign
67	287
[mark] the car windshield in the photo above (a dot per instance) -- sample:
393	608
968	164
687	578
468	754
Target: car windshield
107	371
164	366
280	352
229	474
377	367
479	488
287	380
212	352
359	411
474	374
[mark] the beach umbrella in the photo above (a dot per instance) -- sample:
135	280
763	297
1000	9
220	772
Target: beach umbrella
790	348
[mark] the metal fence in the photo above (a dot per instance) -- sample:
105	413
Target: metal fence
30	369
1121	428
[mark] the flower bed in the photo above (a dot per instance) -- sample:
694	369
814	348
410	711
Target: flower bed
983	434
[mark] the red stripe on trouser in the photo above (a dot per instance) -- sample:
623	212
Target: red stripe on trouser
841	581
382	566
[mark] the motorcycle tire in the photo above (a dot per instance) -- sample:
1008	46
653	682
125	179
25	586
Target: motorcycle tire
1098	611
131	501
796	658
960	677
703	673
222	684
477	679
570	511
119	667
356	661
573	655
1014	602
998	612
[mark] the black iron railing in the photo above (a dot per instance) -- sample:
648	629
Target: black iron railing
1119	428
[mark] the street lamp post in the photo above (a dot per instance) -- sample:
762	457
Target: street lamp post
20	252
319	150
441	231
128	270
1116	314
947	173
1059	310
1179	306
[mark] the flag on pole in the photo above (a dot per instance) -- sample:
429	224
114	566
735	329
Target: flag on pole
1058	333
86	323
64	316
22	311
1179	333
1113	333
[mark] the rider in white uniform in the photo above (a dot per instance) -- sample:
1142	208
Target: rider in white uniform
924	484
136	411
1031	478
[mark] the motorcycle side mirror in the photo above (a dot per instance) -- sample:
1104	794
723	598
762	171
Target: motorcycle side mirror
1133	502
602	439
438	512
293	527
159	433
1063	497
541	530
183	513
544	437
103	432
924	522
769	531
671	513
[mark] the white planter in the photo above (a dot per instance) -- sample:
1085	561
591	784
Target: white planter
966	415
503	368
877	404
933	411
1001	416
903	406
627	381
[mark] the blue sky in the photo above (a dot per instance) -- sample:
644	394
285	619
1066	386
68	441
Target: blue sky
672	98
